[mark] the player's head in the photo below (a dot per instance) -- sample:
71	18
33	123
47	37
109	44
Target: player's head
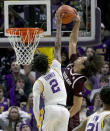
92	66
104	81
105	95
79	64
25	127
40	63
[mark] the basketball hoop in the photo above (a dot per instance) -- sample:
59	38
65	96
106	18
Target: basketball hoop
24	41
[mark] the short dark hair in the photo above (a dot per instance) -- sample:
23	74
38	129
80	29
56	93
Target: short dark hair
105	63
105	95
104	78
20	77
40	63
92	66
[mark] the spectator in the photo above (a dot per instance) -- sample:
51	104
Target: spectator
28	72
11	78
83	111
89	83
10	117
105	42
103	72
23	103
4	102
104	81
29	108
89	52
97	104
17	125
25	127
6	56
18	92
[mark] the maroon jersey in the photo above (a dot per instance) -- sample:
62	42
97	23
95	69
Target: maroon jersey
74	83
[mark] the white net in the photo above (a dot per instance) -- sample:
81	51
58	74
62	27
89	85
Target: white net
24	45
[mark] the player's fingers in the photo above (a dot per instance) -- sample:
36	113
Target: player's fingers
62	15
75	11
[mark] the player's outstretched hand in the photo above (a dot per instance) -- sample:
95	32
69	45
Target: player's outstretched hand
77	18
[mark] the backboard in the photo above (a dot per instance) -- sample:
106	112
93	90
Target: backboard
41	13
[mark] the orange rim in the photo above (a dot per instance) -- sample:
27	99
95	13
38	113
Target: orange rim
32	32
11	30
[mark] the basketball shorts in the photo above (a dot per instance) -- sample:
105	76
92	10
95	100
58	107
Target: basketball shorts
54	118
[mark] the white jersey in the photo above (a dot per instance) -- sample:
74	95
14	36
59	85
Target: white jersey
54	91
52	85
95	121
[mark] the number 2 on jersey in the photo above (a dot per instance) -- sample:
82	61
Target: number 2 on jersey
54	86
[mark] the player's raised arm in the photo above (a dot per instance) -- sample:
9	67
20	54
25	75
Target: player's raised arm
74	36
57	51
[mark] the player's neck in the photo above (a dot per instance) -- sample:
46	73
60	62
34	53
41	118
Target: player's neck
76	70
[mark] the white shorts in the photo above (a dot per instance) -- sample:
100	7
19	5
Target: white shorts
55	118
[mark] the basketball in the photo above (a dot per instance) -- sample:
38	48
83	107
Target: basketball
68	13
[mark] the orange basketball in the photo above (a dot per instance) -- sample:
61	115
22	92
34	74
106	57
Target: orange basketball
68	13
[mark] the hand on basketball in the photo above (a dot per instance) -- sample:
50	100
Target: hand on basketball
77	17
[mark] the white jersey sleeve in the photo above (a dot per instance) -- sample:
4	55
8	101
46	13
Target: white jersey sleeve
37	90
56	64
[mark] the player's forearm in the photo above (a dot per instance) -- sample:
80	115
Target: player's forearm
36	113
58	37
57	52
74	33
73	39
36	101
74	109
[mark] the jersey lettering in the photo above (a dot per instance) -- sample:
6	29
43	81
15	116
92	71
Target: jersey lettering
49	76
67	79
